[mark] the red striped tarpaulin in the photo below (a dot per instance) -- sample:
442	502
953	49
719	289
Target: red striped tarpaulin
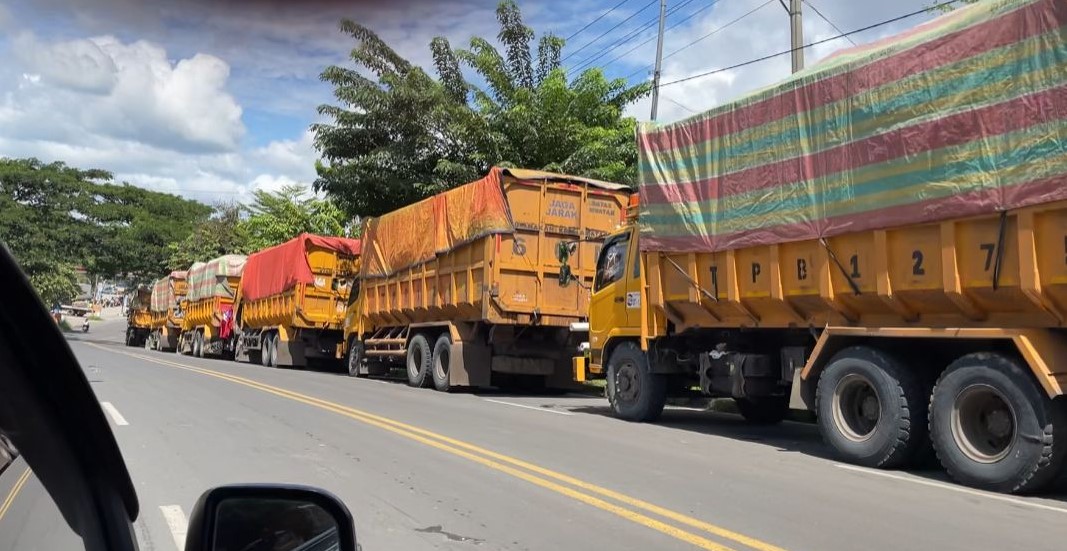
963	115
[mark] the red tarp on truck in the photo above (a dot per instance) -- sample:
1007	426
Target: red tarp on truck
280	268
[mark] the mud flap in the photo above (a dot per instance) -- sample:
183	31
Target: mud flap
469	365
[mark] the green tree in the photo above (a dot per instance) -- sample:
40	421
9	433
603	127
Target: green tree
55	283
276	217
219	234
404	134
54	217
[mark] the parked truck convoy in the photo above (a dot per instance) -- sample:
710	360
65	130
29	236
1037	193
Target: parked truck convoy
165	306
881	239
138	316
291	301
459	288
208	326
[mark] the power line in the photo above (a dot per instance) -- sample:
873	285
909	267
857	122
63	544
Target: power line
709	35
810	44
617	25
585	62
599	17
831	23
588	61
680	105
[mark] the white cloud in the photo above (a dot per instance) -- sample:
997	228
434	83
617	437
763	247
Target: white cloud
102	87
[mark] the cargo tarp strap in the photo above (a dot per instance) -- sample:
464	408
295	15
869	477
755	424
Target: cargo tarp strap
1000	249
844	272
691	281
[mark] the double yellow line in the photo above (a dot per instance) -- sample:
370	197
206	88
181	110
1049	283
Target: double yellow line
14	492
534	474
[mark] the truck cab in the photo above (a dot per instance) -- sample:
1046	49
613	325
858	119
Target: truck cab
615	303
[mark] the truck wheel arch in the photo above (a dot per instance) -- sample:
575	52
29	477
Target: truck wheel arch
1032	346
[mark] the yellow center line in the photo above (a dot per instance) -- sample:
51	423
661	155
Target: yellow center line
463	449
14	492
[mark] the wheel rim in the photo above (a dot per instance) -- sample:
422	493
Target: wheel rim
440	367
627	382
856	407
353	358
983	424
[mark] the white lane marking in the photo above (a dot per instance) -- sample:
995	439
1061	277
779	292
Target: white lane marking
959	489
114	413
177	523
535	408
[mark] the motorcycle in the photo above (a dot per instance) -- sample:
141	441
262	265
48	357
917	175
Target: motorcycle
85	326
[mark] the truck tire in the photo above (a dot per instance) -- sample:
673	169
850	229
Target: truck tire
274	349
198	345
763	410
442	357
264	348
994	428
634	392
418	359
354	358
871	410
130	337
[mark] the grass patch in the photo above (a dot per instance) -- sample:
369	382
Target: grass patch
94	317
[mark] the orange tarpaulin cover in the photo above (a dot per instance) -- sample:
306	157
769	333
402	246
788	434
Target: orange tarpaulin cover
417	233
281	267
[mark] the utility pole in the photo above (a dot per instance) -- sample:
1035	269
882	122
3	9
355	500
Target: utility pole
659	57
796	33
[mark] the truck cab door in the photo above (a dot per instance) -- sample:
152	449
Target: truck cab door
607	305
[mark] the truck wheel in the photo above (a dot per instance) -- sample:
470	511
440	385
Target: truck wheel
129	337
419	357
442	357
264	348
274	349
634	392
993	427
871	409
198	345
354	357
763	410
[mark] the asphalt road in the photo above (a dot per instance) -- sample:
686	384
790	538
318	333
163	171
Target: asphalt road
425	470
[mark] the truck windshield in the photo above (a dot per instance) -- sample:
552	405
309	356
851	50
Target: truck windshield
612	262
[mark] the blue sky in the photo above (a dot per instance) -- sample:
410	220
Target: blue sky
213	99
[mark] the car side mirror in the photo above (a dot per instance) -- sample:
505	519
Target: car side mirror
266	517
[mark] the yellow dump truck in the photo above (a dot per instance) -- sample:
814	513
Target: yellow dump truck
208	328
896	262
291	301
459	288
165	308
138	316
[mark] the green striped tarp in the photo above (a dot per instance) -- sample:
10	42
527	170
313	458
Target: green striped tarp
210	279
963	115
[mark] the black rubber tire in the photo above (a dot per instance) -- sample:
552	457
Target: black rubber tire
440	362
354	358
129	337
629	362
198	344
264	349
274	338
419	357
763	410
901	428
1036	453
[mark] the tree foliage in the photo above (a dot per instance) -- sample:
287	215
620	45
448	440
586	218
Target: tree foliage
274	218
55	217
217	235
398	134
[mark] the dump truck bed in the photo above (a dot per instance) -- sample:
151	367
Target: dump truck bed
998	270
490	255
212	289
167	295
302	283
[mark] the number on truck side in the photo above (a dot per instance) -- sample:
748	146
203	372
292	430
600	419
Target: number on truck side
855	262
917	267
518	247
988	248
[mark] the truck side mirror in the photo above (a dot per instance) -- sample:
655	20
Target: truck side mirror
270	516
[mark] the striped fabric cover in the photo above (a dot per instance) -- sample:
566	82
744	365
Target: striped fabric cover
163	297
209	279
963	115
